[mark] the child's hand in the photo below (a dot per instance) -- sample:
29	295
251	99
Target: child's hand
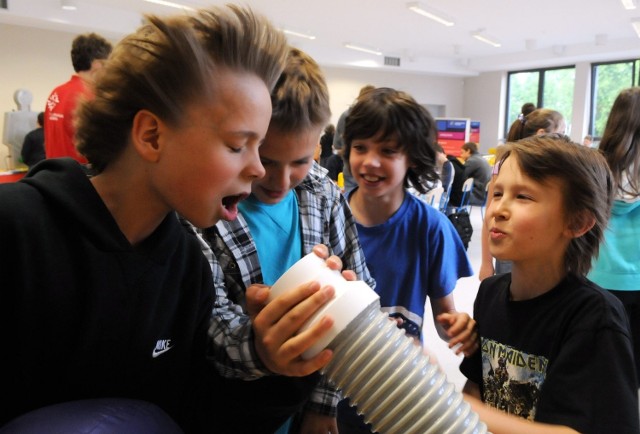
333	262
316	423
275	328
462	331
276	323
399	323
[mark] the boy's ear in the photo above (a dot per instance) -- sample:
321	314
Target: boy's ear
580	225
145	134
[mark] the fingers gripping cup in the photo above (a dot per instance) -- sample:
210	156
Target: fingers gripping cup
375	364
351	297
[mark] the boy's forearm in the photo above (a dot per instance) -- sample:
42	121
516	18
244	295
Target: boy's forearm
231	346
499	422
324	399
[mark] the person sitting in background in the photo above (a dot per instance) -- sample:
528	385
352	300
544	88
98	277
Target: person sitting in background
443	167
445	170
88	53
455	195
587	141
477	168
329	158
33	146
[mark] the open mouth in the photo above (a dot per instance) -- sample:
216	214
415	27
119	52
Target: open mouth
230	205
230	202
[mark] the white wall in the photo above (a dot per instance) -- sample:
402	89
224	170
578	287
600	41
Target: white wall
344	85
581	102
39	60
484	101
33	59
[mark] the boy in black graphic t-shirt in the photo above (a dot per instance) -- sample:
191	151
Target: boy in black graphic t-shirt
555	348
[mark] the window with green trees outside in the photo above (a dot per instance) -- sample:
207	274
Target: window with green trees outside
608	79
546	87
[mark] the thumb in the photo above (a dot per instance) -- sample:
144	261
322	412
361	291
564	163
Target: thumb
256	296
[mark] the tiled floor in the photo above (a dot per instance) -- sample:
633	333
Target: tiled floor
464	295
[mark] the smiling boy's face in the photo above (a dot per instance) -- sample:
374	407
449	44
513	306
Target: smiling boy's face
287	158
526	219
379	167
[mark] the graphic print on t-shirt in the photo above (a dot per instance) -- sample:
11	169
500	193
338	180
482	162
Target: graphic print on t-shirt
511	378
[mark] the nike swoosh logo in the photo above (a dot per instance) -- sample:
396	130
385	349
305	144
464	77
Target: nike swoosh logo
157	352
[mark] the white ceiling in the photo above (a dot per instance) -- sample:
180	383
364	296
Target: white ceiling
533	34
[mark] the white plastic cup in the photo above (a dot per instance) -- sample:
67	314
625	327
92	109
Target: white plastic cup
351	297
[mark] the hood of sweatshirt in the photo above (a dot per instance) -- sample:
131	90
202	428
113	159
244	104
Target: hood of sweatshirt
66	187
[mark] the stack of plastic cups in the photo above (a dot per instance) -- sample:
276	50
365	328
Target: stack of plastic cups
380	369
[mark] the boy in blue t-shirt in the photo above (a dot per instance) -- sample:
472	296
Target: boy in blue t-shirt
293	208
412	250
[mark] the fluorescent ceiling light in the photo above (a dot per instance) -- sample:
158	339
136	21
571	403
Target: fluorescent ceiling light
171	4
370	63
430	13
629	4
486	39
68	5
298	34
601	39
364	49
636	25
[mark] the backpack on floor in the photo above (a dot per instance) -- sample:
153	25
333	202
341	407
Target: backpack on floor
462	222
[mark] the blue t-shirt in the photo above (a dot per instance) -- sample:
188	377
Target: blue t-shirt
415	254
275	229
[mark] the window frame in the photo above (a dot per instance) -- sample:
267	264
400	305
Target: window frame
540	95
635	81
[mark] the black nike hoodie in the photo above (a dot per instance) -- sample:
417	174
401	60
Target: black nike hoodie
84	314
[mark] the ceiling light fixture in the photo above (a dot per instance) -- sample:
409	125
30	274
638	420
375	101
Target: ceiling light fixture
171	4
629	4
430	13
68	5
298	34
559	50
636	25
601	39
364	49
486	39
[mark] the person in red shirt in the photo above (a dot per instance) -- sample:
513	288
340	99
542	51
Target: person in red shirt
88	52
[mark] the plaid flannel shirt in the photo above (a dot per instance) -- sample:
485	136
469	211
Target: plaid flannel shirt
325	218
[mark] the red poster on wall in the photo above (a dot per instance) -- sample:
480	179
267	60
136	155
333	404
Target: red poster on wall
474	132
452	134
